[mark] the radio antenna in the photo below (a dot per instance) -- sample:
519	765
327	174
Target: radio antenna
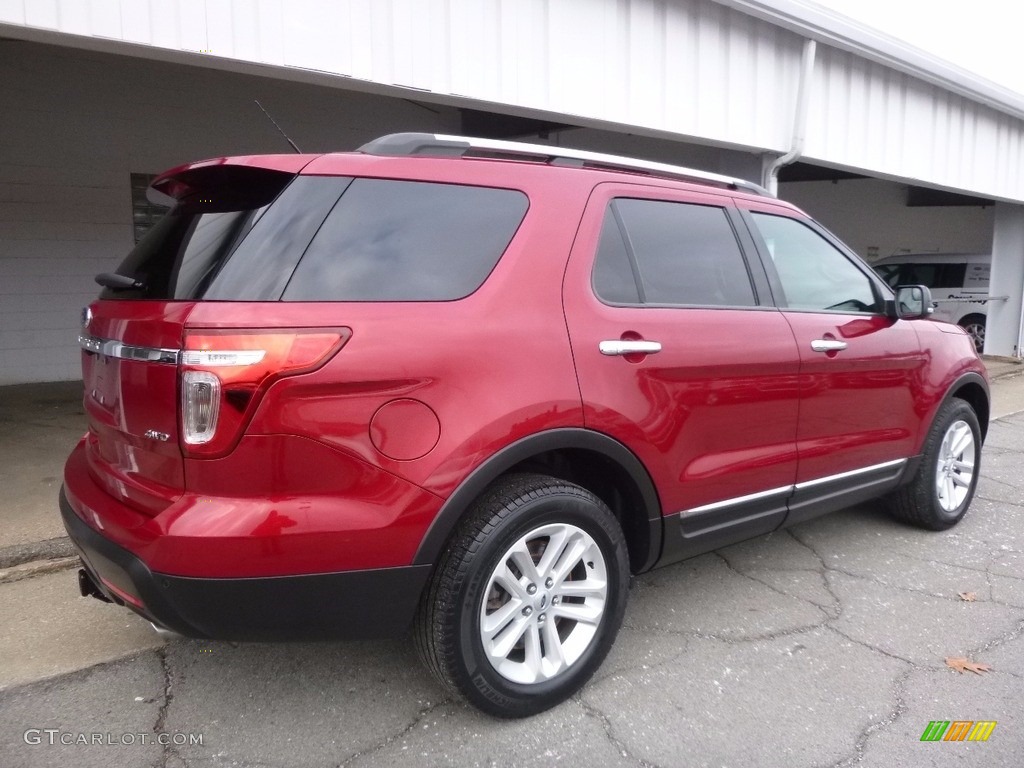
279	128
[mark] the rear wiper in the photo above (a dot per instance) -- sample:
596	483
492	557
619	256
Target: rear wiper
118	282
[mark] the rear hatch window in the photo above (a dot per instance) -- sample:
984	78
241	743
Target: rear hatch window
180	255
326	239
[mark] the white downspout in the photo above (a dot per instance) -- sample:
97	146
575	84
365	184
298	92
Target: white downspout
803	93
1018	352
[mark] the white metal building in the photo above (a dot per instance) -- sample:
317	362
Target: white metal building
893	149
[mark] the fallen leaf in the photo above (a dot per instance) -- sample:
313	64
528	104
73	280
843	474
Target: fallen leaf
962	665
968	597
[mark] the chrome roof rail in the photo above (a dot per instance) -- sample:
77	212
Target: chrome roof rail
439	145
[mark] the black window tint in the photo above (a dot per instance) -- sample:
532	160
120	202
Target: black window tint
919	274
933	275
260	266
213	234
175	259
178	256
614	280
814	274
950	276
145	212
407	241
154	259
685	254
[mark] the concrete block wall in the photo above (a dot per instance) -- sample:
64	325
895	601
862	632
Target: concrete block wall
76	124
872	217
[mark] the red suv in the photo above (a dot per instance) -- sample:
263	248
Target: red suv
470	386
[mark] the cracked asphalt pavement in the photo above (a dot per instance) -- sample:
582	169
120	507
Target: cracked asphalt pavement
822	645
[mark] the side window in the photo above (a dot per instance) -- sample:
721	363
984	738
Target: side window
951	276
933	275
658	252
814	274
614	280
919	274
391	240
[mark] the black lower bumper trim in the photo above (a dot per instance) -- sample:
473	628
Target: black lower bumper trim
345	605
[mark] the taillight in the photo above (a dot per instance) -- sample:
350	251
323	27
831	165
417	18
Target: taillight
223	373
200	406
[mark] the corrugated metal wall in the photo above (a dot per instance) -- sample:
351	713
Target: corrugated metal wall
690	68
693	68
869	117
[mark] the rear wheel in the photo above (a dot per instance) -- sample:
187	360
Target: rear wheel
529	597
941	491
975	327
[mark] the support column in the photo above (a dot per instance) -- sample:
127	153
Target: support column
743	165
1004	324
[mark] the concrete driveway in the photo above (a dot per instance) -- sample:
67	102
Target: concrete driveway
819	646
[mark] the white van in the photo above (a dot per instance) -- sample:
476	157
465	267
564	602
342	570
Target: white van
958	281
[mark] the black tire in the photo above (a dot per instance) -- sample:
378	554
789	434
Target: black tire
449	624
975	327
921	502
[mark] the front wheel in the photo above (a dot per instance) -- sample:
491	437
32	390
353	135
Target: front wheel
941	491
529	597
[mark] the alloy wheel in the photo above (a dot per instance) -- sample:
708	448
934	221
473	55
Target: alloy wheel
543	603
955	468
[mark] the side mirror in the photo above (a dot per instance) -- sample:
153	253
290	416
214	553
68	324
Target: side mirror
912	301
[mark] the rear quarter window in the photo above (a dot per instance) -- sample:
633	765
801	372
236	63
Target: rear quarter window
389	240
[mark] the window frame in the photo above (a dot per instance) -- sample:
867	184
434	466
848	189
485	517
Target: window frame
883	293
607	193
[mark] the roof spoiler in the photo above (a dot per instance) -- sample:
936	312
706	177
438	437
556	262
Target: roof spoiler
194	178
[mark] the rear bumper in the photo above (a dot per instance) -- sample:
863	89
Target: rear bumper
347	605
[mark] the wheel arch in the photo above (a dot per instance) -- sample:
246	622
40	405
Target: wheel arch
593	460
973	389
972	314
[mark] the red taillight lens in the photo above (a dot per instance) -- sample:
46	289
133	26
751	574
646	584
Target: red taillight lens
224	372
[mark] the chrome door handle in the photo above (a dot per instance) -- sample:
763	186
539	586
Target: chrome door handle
827	345
623	347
